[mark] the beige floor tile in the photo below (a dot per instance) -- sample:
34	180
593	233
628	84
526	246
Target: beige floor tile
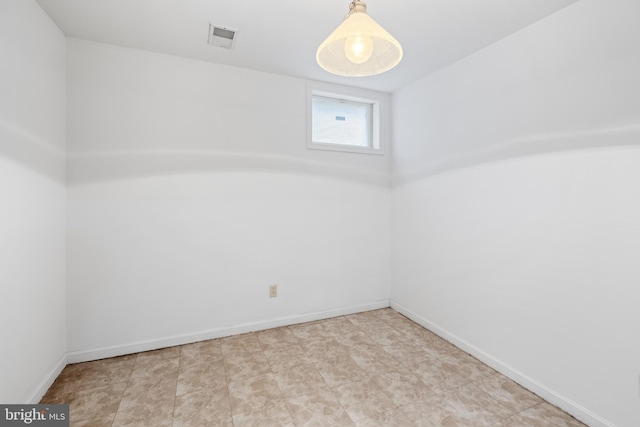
240	366
409	329
368	369
245	343
197	420
389	315
507	392
398	322
200	353
101	375
386	336
250	395
197	377
273	413
355	341
370	322
309	331
402	387
105	421
320	408
363	399
299	380
96	403
431	373
435	346
401	348
339	371
476	406
365	320
338	326
113	361
376	360
410	360
155	368
88	375
153	355
57	396
64	384
203	408
81	366
63	388
274	338
145	383
160	415
156	392
452	371
323	350
541	415
286	356
433	412
464	360
393	418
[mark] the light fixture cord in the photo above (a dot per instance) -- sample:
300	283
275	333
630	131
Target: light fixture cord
352	7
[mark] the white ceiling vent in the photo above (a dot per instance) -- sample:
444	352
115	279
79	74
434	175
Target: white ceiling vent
222	36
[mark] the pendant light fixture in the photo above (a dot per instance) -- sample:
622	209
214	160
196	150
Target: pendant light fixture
359	46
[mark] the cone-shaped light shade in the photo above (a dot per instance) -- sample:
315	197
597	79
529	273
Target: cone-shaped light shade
359	46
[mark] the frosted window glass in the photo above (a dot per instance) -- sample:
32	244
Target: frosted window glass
341	122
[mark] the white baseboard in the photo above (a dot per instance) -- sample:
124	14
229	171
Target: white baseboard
529	383
120	350
46	383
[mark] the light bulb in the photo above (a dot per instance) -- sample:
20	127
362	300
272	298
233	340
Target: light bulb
358	48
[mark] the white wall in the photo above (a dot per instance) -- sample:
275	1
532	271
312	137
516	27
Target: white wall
191	191
516	207
32	201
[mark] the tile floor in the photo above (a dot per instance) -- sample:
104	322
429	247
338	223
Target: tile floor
369	369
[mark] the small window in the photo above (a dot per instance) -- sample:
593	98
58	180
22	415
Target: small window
342	122
344	119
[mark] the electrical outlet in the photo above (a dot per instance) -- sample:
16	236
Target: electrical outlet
273	291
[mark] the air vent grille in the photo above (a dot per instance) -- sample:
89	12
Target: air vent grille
222	36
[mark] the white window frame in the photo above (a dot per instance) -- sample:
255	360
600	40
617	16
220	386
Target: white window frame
379	117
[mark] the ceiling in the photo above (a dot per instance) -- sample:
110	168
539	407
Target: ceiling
281	36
